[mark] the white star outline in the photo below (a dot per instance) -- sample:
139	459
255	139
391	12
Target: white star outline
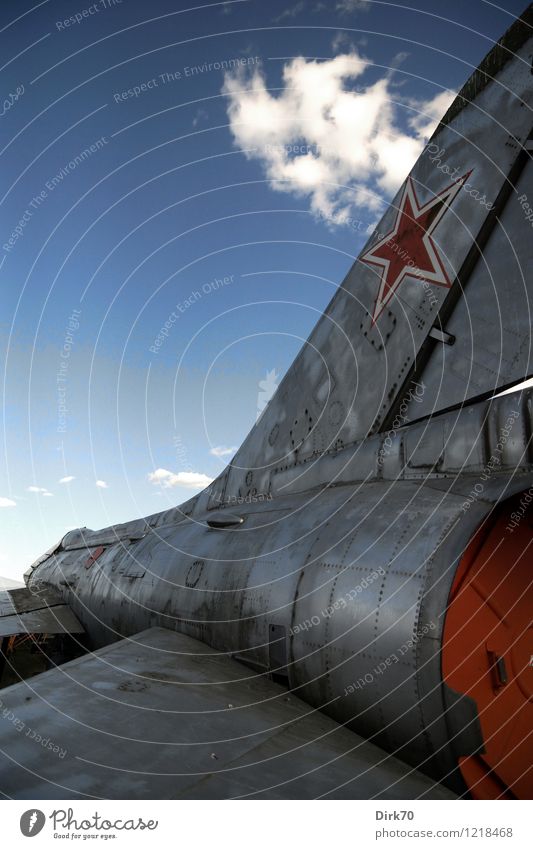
439	275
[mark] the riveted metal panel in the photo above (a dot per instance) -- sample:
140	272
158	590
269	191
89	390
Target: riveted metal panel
492	321
136	720
352	380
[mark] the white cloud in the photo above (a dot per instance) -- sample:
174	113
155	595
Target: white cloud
223	450
342	146
7	502
349	6
67	479
424	120
189	480
41	490
48	494
341	40
102	485
290	12
201	115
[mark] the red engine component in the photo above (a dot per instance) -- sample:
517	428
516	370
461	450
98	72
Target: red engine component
487	650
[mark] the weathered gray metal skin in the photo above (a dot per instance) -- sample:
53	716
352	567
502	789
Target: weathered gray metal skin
352	372
491	324
356	569
135	720
24	612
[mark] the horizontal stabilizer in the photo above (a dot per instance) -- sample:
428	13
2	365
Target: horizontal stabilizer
162	716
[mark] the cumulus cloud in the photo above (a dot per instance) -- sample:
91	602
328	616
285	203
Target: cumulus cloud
7	502
41	490
223	450
189	480
424	120
290	12
329	137
102	485
67	479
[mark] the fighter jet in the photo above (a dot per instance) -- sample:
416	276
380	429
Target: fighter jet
346	611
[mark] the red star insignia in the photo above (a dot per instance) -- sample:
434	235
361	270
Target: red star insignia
409	250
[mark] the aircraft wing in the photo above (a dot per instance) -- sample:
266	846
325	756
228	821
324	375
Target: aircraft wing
422	311
161	715
24	611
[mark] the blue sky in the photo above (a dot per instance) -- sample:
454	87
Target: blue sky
182	191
